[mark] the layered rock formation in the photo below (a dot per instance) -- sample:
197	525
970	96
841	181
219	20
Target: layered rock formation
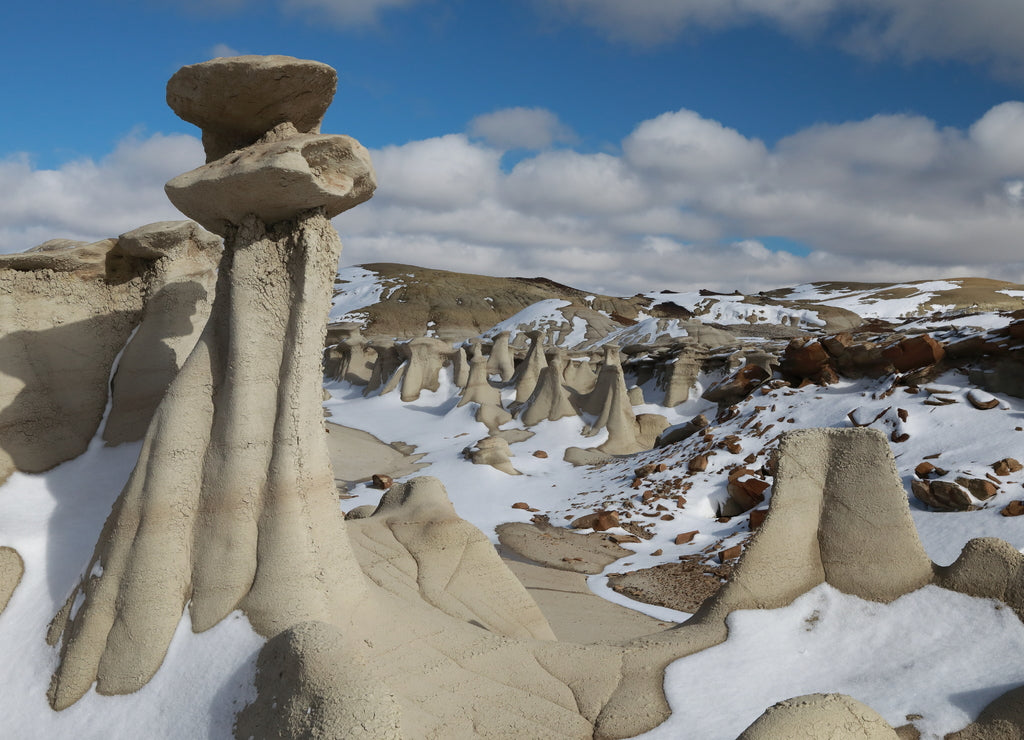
230	505
69	308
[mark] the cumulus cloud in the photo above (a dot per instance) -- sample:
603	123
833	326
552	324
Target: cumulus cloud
90	200
988	31
344	13
521	128
223	50
688	203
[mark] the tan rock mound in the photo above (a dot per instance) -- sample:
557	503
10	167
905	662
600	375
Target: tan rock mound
415	530
301	693
559	548
819	716
12	567
610	403
493	451
69	309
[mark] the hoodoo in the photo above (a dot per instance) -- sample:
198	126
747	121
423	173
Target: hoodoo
230	504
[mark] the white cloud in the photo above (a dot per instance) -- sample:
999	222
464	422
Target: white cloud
887	198
521	128
343	13
90	200
446	171
685	144
987	31
223	50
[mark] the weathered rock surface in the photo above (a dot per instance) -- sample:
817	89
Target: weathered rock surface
818	716
236	100
12	567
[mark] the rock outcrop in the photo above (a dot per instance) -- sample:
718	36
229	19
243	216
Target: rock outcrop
12	567
231	504
69	308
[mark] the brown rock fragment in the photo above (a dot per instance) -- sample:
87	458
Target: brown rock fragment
599	521
540	453
1014	508
381	481
1006	466
684	537
521	505
697	464
980	488
730	553
942	495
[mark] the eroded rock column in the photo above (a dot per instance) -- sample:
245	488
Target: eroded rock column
231	503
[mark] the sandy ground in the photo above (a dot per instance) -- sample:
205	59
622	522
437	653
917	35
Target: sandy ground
574	612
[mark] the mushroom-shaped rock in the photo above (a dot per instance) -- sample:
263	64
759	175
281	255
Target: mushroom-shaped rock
236	100
385	365
351	359
423	359
550	399
493	451
610	403
276	181
232	504
500	361
819	716
479	390
527	374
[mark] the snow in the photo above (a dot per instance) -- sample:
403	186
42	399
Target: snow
545	315
868	304
735	309
899	658
932	652
359	289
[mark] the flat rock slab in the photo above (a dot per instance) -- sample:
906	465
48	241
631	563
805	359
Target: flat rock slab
574	612
357	456
276	181
235	100
559	548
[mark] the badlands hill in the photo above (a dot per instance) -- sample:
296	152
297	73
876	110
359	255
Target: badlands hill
244	496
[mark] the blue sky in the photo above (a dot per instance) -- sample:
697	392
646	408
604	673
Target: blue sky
612	145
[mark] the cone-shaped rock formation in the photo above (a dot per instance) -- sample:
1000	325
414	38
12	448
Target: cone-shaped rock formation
550	398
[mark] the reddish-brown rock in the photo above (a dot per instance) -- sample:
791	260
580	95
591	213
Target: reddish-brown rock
757	517
1014	508
730	553
540	453
599	521
942	495
684	537
914	352
521	505
1006	466
381	481
980	488
697	464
